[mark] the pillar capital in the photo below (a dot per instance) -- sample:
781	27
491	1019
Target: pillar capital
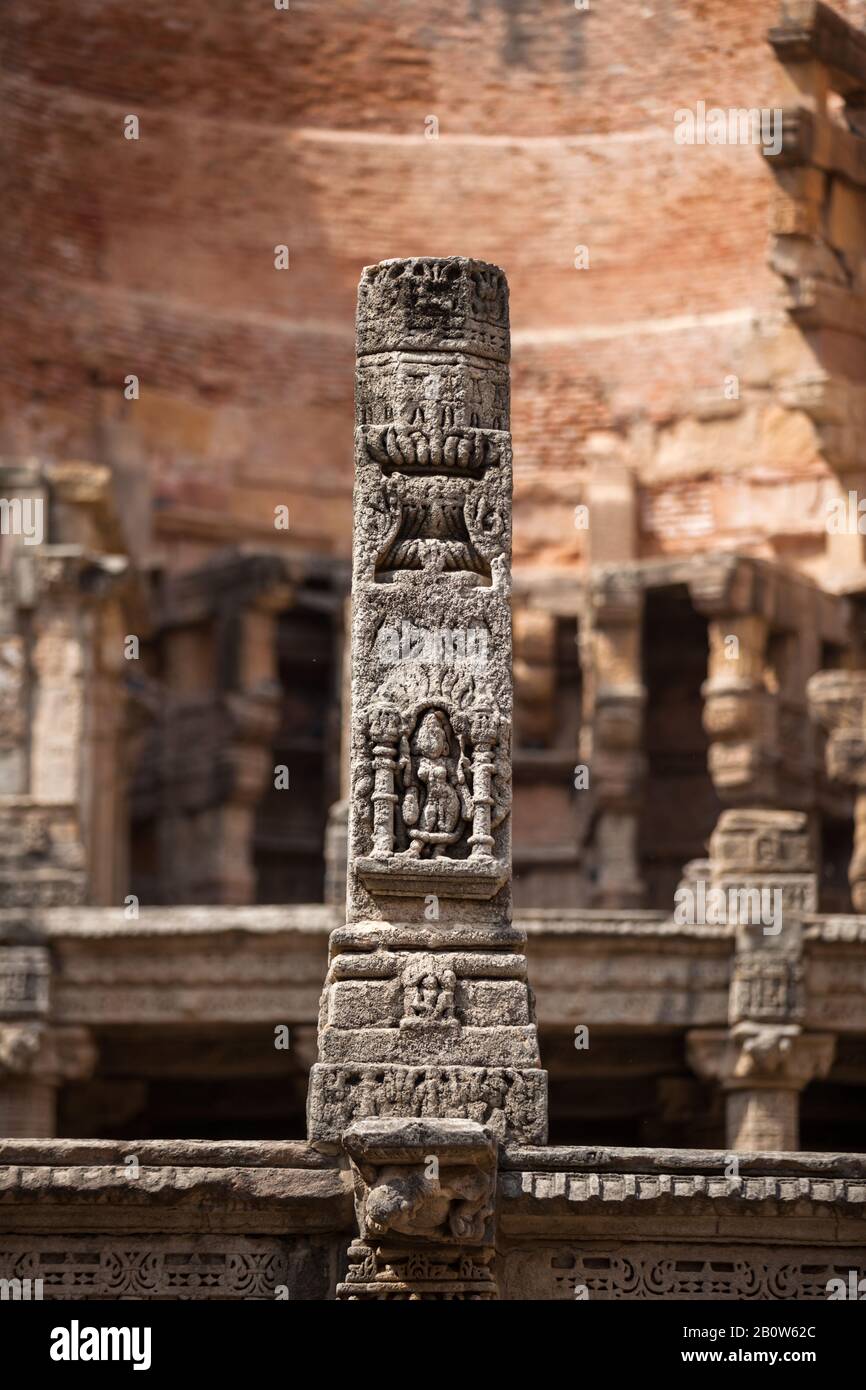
35	1059
752	1056
762	1068
44	1052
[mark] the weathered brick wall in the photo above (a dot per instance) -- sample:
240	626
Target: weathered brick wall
307	127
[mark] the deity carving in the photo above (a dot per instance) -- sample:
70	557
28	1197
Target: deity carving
440	781
437	799
428	993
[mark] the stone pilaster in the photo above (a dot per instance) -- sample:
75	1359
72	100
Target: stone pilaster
64	599
426	1012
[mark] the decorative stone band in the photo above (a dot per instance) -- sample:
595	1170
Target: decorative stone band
510	1101
715	1271
679	1187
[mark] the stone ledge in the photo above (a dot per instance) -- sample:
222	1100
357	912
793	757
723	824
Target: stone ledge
111	1197
157	1153
314	919
709	1162
448	878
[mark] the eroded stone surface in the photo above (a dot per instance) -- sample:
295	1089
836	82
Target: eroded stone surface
426	1010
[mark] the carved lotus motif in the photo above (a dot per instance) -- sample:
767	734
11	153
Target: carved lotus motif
464	451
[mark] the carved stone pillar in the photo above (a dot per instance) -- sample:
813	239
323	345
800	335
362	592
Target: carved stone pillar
426	1012
62	706
761	882
739	712
762	1069
35	1057
425	1195
209	764
611	654
766	630
837	701
535	675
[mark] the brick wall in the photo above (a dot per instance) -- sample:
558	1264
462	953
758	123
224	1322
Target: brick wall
306	127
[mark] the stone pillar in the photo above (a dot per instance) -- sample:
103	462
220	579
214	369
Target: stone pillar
247	770
63	705
738	710
762	1070
837	701
760	883
426	1013
35	1057
535	675
209	763
614	699
765	633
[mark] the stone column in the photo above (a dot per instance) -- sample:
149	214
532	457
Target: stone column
837	701
35	1057
614	699
761	881
765	633
762	1069
426	1013
738	709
